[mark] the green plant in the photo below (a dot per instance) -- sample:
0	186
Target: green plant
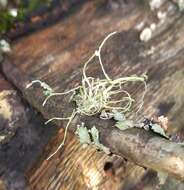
13	11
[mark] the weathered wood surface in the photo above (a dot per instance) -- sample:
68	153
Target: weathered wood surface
42	17
9	118
55	55
20	131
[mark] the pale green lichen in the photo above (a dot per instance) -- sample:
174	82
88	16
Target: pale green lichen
65	133
118	116
84	137
95	136
83	134
96	96
122	123
158	129
47	89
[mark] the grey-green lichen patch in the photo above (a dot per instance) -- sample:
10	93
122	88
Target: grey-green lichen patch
122	123
180	4
84	137
118	116
95	136
47	89
83	134
158	129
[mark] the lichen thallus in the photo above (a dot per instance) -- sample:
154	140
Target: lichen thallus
95	95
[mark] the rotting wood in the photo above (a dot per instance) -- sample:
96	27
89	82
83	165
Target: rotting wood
38	20
22	138
12	112
125	54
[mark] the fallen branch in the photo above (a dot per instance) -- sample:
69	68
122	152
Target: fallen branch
145	148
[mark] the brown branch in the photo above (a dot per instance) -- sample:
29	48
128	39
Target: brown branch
144	148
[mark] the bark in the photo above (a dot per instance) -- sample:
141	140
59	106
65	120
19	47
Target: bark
20	133
40	18
9	118
54	55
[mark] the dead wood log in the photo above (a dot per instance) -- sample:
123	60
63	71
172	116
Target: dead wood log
9	119
21	130
60	66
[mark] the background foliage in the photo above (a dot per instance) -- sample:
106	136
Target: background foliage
17	10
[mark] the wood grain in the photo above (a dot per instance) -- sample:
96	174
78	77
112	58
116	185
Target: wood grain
55	55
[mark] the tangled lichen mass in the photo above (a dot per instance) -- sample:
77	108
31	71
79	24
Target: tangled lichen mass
95	95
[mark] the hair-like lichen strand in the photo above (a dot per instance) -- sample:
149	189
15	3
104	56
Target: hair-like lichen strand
94	95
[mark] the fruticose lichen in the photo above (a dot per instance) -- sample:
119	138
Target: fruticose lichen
96	96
